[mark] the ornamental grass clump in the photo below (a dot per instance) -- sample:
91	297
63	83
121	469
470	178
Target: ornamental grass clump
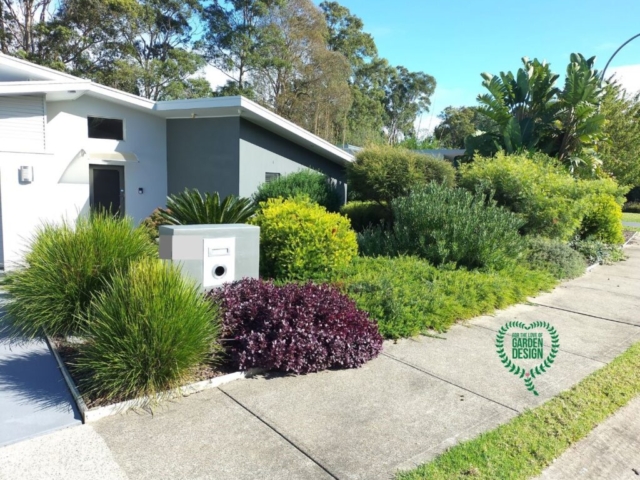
145	333
66	265
294	328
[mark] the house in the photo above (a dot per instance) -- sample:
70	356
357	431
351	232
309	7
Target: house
68	144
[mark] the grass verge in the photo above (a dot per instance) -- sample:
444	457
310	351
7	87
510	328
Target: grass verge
630	217
527	444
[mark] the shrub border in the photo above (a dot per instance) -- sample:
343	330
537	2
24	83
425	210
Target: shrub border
90	415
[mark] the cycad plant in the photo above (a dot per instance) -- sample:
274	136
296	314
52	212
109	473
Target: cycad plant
191	208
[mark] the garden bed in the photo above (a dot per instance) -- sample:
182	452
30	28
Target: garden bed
93	408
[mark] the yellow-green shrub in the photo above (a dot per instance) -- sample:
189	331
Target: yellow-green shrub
603	220
300	240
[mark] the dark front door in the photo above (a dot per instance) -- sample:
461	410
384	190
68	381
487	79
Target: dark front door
107	188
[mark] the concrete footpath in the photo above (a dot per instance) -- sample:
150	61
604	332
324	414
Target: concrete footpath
418	398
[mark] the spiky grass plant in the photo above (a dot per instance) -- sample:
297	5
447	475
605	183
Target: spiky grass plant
145	333
64	267
191	208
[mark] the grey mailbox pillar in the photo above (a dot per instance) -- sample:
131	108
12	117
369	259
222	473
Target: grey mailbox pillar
212	254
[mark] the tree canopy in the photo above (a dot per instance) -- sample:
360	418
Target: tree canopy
314	65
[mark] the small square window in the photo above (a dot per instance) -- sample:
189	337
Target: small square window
270	176
109	128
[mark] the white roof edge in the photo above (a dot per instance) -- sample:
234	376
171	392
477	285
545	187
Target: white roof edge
120	96
45	86
34	68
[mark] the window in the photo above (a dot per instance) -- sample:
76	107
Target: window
110	128
270	177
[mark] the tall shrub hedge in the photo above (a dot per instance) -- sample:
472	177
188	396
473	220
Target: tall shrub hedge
551	202
382	173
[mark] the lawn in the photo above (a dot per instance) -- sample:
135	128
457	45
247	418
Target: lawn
527	444
631	217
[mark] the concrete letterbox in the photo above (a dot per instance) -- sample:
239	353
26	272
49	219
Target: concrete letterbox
212	254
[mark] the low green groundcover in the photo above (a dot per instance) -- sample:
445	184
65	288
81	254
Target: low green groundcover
408	296
527	444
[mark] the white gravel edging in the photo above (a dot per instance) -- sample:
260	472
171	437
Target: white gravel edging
93	414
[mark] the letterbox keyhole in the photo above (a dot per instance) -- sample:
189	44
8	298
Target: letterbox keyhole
219	271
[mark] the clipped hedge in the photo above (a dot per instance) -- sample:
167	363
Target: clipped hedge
300	240
408	296
65	267
318	187
294	328
381	173
145	333
447	225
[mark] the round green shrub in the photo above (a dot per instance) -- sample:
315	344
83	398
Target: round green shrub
603	220
315	185
448	225
300	240
65	266
366	214
556	257
536	188
382	173
145	333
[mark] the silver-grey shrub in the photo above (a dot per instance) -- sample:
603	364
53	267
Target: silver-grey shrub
448	226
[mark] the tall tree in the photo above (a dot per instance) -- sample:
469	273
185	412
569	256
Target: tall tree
19	25
408	95
369	74
235	39
298	77
458	123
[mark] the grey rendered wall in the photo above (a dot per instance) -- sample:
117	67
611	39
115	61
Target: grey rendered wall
203	153
262	151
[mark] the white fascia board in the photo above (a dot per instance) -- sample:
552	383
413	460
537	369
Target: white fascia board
26	88
31	69
118	96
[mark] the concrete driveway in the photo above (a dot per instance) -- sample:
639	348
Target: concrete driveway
33	396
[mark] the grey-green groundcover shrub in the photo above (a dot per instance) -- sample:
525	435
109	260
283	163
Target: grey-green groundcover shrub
65	266
145	333
315	185
447	225
557	257
408	296
596	251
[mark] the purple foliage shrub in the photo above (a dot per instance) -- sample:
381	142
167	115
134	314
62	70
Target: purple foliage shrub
294	328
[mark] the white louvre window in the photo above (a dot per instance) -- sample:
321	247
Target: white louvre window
22	123
271	176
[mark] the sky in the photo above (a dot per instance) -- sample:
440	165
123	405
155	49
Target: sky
456	40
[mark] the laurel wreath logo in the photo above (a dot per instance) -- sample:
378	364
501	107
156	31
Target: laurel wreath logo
518	371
